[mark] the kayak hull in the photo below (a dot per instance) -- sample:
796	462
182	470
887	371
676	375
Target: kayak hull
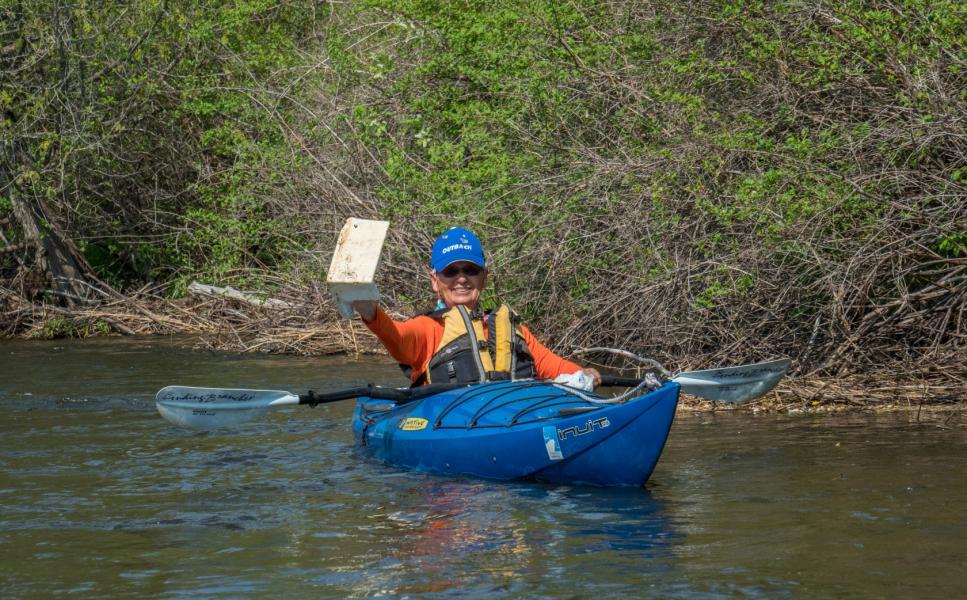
521	431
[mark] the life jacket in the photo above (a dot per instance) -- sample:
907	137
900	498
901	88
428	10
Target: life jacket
464	355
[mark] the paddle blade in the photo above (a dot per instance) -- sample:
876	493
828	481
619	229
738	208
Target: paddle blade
734	384
212	408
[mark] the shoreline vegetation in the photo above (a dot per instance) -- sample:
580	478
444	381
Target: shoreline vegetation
238	323
704	184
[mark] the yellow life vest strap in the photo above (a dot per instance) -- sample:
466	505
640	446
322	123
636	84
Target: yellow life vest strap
476	332
453	327
502	332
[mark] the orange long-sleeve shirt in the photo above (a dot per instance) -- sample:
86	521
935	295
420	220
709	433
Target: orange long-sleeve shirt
414	341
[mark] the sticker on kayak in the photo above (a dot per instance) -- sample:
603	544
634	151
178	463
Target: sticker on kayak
577	430
413	424
551	443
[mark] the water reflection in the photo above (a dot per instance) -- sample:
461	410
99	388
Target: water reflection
457	534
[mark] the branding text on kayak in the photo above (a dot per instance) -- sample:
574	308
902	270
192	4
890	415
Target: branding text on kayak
577	430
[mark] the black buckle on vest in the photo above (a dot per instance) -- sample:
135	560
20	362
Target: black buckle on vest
498	376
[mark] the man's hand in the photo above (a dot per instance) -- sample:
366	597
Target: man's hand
367	310
593	373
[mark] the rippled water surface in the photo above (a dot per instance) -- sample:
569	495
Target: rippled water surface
101	497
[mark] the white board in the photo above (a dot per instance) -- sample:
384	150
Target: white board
353	268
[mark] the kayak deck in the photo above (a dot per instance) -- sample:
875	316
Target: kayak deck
522	430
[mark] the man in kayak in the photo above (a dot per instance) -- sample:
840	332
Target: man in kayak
458	342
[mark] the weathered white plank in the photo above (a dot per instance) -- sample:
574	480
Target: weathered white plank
354	261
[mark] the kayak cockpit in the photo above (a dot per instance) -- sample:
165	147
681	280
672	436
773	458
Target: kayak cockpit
496	404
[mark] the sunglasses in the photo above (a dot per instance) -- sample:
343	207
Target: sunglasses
466	270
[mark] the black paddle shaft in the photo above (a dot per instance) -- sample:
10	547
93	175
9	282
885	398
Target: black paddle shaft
398	395
610	381
405	395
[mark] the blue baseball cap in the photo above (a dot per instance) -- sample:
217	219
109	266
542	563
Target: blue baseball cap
454	245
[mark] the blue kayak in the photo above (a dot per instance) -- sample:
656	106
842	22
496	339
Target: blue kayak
521	430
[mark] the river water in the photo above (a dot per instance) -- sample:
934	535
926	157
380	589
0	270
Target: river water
101	497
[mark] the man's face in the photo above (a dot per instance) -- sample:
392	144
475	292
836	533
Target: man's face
460	283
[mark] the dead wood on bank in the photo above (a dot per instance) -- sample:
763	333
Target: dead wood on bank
295	325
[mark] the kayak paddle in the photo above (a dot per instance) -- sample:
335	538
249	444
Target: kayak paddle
725	384
210	408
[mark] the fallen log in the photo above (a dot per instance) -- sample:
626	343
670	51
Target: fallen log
230	292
